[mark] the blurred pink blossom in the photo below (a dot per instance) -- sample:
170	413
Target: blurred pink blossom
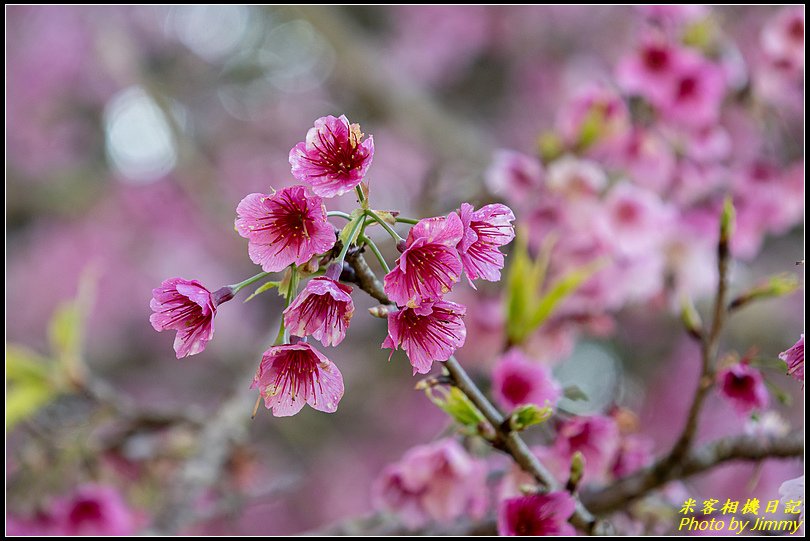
536	514
517	380
744	387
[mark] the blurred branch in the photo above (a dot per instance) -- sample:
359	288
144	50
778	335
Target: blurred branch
709	347
749	448
221	432
363	68
506	440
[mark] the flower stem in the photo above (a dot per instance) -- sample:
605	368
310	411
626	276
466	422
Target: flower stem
360	196
251	280
292	288
370	213
358	224
370	243
339	214
403	220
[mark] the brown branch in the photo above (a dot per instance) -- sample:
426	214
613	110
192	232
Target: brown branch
508	441
708	351
748	448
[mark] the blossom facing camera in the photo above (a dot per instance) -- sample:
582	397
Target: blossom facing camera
323	309
187	307
292	375
438	482
429	265
287	227
517	380
536	514
334	158
430	332
94	510
744	387
794	357
485	230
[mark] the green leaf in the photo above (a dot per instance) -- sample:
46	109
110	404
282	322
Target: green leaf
24	364
23	400
529	415
558	291
573	392
358	215
456	404
262	288
65	329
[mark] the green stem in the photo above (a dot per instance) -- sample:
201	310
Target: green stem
402	220
292	288
358	224
370	213
377	253
338	214
360	196
251	280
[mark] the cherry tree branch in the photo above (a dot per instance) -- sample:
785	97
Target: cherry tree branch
735	448
506	440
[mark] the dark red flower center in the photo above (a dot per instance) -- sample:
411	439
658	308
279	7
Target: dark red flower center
687	87
796	29
85	511
656	58
516	388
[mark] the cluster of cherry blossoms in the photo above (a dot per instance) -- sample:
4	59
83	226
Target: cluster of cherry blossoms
288	230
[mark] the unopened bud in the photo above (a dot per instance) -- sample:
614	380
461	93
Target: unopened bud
381	311
223	294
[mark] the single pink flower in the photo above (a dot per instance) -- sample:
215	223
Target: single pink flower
782	39
292	375
323	309
651	70
536	514
287	227
516	380
794	357
514	175
596	437
744	387
94	510
694	96
334	158
187	307
575	177
485	230
438	482
429	265
430	332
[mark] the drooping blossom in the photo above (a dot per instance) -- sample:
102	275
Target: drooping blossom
291	375
284	228
187	307
322	309
427	333
536	514
485	230
744	387
596	437
93	510
334	158
634	452
437	482
516	380
430	264
794	357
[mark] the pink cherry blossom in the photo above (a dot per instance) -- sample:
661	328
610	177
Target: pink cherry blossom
93	510
596	437
187	307
430	264
744	387
694	96
285	228
596	112
485	230
291	375
516	380
514	176
634	452
782	39
651	70
334	158
427	333
536	514
575	177
794	357
634	220
438	482
323	309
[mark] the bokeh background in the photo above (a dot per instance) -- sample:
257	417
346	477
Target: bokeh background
133	132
